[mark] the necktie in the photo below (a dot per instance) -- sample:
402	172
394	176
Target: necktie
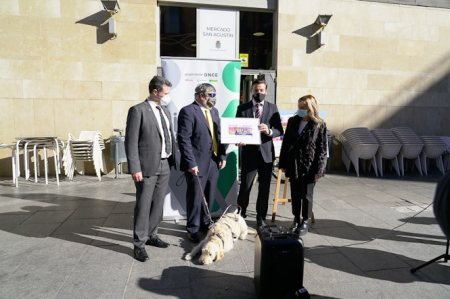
165	130
211	128
258	110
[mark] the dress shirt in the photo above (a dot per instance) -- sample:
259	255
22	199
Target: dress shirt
158	118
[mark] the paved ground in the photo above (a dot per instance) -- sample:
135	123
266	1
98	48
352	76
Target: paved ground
74	241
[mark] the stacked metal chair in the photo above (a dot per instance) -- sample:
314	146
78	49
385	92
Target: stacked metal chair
434	147
359	143
446	155
88	146
389	149
412	146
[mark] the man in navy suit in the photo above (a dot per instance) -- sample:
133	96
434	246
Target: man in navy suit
258	158
202	156
150	149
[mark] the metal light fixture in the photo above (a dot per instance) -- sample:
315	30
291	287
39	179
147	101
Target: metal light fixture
322	21
258	33
111	6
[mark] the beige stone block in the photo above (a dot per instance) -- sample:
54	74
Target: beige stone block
143	89
384	12
119	113
323	77
7	116
378	117
137	12
368	61
127	91
17	25
338	60
9	7
79	10
436	48
376	29
132	31
444	34
397	98
425	33
354	43
303	60
364	97
296	78
20	69
410	47
421	99
285	57
438	17
42	89
333	44
412	15
423	64
396	63
65	118
60	28
11	89
85	118
61	70
24	118
93	71
43	124
120	50
383	45
381	81
368	116
286	22
102	116
147	52
399	117
48	8
358	10
337	96
41	46
428	127
351	27
352	79
82	90
137	72
398	30
10	48
418	82
335	115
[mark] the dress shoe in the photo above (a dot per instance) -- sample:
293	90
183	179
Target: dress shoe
193	237
260	222
303	228
140	254
157	242
295	227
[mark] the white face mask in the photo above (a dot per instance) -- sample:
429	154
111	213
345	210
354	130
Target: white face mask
165	100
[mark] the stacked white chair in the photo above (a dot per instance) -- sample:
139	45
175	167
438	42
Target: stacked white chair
358	143
434	147
446	155
389	148
412	146
13	159
88	146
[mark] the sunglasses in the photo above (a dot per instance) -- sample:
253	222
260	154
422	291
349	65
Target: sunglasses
212	95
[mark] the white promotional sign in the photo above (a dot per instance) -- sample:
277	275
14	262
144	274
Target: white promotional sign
185	74
216	34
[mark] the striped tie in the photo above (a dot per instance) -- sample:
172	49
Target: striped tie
258	110
165	131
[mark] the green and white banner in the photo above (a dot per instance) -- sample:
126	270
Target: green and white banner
185	74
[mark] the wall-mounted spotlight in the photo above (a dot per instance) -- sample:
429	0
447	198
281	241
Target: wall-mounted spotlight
111	6
322	21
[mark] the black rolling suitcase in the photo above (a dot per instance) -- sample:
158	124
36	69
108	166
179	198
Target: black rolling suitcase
278	262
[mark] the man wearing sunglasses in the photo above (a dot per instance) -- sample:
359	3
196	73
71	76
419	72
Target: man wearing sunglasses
202	156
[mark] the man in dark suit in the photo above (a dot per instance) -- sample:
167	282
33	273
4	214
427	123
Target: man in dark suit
258	158
202	156
150	149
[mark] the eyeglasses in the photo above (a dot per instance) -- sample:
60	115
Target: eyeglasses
212	95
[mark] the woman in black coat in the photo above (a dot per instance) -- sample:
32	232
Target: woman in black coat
303	158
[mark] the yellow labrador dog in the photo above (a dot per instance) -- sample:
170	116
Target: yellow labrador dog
220	238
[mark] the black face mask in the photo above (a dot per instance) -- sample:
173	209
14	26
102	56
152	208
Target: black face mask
259	97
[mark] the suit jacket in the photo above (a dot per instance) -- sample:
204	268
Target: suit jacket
270	117
194	138
304	155
143	140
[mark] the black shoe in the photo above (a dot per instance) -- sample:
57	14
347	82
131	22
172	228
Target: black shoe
260	222
140	254
157	242
193	237
204	228
303	229
294	227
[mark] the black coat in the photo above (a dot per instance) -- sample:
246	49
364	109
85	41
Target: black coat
305	155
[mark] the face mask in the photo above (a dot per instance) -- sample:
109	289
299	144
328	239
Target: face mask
165	100
259	97
302	113
211	102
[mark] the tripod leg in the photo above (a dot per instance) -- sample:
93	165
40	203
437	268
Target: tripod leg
445	256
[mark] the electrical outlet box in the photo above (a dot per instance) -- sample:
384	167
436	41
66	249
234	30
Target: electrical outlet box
112	26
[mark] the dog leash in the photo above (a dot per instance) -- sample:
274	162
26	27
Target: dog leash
204	201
